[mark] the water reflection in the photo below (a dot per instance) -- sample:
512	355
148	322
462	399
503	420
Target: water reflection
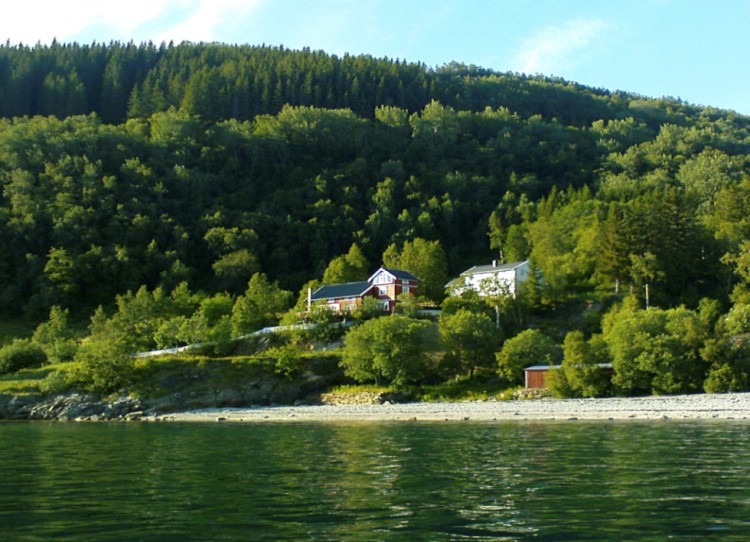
449	481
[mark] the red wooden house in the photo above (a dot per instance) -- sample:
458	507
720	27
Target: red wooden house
385	285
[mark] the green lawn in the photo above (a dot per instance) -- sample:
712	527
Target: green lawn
26	381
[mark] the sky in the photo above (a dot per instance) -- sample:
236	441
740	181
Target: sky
695	50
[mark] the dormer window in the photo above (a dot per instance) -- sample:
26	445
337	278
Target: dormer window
382	278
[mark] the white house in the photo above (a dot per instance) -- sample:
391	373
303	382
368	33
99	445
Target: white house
493	279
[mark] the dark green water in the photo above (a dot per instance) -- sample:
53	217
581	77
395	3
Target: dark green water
406	481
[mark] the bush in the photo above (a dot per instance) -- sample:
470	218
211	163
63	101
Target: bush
730	365
582	373
288	361
530	347
55	382
103	366
737	320
55	337
21	354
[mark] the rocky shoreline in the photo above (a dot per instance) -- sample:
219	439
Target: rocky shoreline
69	407
734	406
375	407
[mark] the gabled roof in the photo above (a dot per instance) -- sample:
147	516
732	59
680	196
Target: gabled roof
397	273
334	291
494	268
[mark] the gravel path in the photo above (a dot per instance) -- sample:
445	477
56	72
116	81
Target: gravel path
731	406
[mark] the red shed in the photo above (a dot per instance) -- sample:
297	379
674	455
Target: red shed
536	375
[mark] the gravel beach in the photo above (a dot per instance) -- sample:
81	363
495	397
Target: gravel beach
731	406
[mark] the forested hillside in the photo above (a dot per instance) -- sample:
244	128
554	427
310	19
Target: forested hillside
241	159
219	82
127	165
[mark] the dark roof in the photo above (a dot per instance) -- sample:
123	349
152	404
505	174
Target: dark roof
334	291
398	273
489	268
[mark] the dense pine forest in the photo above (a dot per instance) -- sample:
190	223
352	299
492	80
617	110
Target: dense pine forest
184	171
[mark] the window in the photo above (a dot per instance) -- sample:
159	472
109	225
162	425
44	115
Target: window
405	289
382	290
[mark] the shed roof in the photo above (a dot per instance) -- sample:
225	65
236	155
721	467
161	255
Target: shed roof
547	367
335	291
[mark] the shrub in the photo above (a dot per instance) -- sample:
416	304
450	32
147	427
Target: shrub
21	354
103	366
54	382
288	361
530	347
56	337
730	365
581	373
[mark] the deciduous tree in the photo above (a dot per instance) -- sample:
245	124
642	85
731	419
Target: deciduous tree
387	350
471	338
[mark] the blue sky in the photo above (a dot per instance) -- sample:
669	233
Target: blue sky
691	49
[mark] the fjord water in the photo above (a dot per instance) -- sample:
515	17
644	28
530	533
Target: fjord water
375	481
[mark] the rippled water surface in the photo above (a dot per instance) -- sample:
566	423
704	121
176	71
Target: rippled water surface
389	481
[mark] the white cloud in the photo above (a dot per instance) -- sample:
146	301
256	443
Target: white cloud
204	21
42	21
555	48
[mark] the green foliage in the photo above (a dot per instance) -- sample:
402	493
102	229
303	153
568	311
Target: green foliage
56	381
262	305
471	338
737	320
408	305
389	350
424	259
248	177
463	389
530	347
655	350
564	242
351	267
209	163
288	360
369	308
233	268
581	373
103	366
730	364
469	300
56	337
21	354
35	380
138	318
